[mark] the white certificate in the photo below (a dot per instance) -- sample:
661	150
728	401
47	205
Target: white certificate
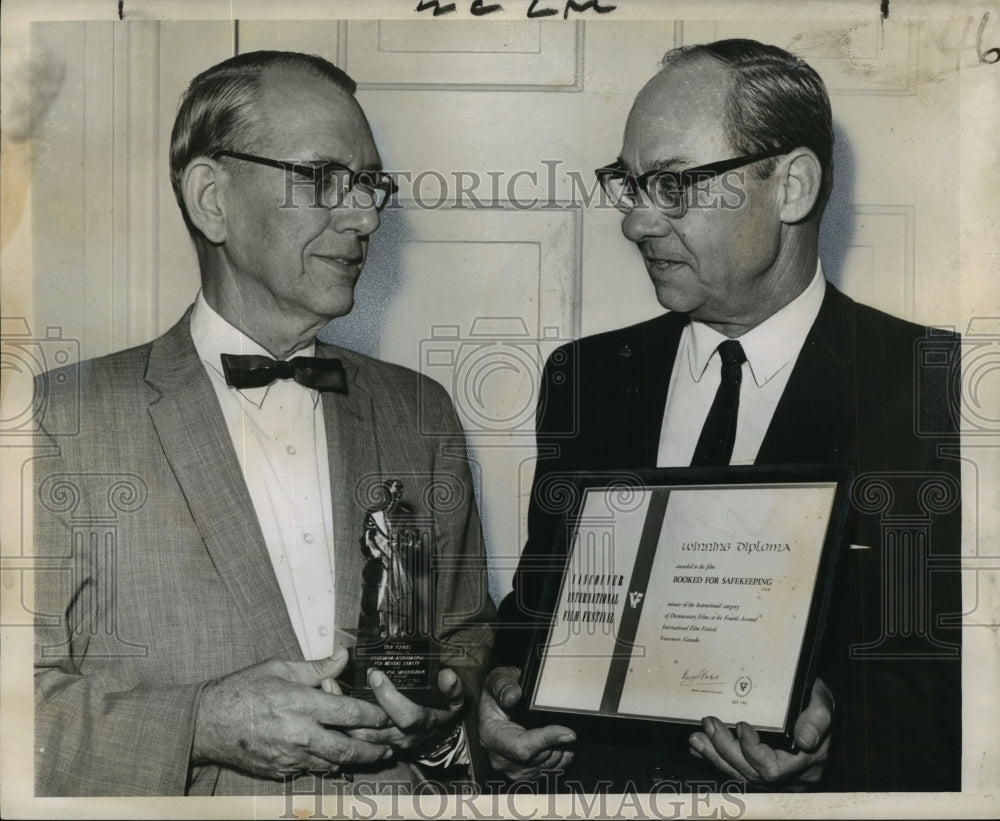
679	602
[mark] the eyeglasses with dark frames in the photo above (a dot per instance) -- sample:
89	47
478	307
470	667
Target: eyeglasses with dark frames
330	179
669	191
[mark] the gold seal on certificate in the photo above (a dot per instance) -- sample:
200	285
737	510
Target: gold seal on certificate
694	593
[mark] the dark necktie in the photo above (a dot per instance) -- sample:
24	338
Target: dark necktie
257	371
715	445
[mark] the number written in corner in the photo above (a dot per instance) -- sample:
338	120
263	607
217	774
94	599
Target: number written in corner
536	9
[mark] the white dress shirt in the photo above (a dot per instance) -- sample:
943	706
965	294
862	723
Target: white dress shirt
280	440
771	350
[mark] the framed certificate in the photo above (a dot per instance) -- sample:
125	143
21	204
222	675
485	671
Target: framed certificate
690	592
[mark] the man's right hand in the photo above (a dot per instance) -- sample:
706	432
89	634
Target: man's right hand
520	754
272	717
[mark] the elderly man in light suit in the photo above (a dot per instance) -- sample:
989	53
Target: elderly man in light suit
196	650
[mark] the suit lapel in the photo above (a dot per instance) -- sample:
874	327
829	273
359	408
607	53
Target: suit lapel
806	421
660	340
197	444
350	443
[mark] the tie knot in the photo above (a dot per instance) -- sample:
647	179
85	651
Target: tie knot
732	356
731	352
253	371
283	369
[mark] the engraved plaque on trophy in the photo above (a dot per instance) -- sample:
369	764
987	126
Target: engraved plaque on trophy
394	626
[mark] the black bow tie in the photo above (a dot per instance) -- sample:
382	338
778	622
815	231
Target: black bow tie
258	371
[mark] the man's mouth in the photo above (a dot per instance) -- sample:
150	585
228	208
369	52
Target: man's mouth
351	261
661	263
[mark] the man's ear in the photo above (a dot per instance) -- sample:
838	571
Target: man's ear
802	177
201	186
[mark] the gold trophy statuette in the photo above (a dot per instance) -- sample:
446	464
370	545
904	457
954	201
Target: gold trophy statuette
394	633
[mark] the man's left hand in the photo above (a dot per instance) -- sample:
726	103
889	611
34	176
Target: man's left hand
745	758
415	729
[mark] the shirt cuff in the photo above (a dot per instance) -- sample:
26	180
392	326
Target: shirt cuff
452	751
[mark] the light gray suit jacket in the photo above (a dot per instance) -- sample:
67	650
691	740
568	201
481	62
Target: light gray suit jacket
154	575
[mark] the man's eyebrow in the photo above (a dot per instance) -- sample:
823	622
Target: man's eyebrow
375	166
663	164
670	163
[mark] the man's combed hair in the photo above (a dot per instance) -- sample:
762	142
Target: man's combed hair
777	101
219	110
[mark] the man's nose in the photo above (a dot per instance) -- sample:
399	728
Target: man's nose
356	213
644	221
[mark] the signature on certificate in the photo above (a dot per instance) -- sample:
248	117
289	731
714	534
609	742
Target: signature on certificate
702	676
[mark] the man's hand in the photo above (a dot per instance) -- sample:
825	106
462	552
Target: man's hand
520	754
414	729
272	717
746	758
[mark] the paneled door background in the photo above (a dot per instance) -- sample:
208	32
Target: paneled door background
495	254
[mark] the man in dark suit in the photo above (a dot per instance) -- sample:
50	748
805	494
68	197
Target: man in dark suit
199	539
724	172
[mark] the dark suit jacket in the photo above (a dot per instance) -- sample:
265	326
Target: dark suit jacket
869	391
158	576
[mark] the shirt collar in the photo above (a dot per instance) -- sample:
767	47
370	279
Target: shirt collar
770	346
214	336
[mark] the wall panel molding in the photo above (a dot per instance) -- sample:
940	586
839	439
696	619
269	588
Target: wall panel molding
879	268
863	58
484	297
548	301
320	37
374	54
186	49
135	272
